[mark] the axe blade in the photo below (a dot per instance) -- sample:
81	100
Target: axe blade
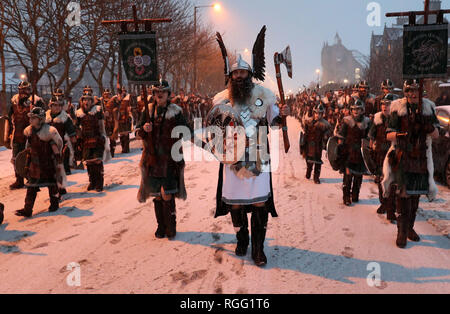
287	60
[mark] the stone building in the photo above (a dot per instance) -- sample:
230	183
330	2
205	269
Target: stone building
341	65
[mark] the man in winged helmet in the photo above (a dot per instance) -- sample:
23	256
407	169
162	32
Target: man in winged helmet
246	186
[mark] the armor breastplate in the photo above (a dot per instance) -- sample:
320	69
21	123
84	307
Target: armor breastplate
20	121
41	165
124	111
90	127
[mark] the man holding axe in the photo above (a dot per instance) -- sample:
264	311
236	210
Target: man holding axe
245	185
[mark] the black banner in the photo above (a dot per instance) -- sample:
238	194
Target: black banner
425	51
138	51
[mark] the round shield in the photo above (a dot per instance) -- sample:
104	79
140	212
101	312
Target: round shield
367	154
332	151
225	134
20	163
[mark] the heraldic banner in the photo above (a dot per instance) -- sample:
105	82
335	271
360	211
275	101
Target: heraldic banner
138	51
425	51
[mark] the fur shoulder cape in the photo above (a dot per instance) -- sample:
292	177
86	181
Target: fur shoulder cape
265	95
172	110
350	121
399	106
60	118
94	110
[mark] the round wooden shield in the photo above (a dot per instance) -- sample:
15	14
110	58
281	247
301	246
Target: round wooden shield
332	151
21	162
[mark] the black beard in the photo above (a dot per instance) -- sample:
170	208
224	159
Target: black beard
240	90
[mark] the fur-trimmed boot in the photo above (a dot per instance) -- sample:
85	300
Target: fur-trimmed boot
159	213
240	221
170	218
259	226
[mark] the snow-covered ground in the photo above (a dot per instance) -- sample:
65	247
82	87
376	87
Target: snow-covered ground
316	245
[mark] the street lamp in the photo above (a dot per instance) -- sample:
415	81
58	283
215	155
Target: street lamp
217	8
318	75
22	77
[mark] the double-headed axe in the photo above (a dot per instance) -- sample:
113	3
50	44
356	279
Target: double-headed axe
286	59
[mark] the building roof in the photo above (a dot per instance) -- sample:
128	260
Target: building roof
10	79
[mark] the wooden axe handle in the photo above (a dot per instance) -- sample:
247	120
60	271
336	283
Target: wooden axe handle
287	145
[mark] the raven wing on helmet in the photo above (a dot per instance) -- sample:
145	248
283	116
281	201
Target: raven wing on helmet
224	56
259	61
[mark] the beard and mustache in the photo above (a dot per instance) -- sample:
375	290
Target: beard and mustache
240	89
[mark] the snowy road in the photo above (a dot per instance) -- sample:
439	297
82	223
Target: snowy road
316	245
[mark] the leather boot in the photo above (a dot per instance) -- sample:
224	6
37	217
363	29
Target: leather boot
240	220
317	169
90	171
112	147
357	181
347	183
309	168
412	235
259	225
53	193
124	142
390	206
99	174
170	218
27	211
18	184
159	213
382	208
2	208
402	222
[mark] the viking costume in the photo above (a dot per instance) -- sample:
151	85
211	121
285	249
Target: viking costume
158	168
18	120
247	183
351	133
66	129
44	166
377	135
367	98
125	122
316	133
409	162
95	144
111	109
387	86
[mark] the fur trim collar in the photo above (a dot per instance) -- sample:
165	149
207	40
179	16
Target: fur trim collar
15	99
61	118
46	134
399	106
259	94
378	118
94	110
364	124
172	110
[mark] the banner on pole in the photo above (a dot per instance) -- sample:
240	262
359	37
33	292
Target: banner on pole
425	49
138	52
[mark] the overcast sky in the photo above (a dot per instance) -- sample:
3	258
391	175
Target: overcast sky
303	24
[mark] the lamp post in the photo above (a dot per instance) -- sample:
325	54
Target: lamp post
216	8
318	76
